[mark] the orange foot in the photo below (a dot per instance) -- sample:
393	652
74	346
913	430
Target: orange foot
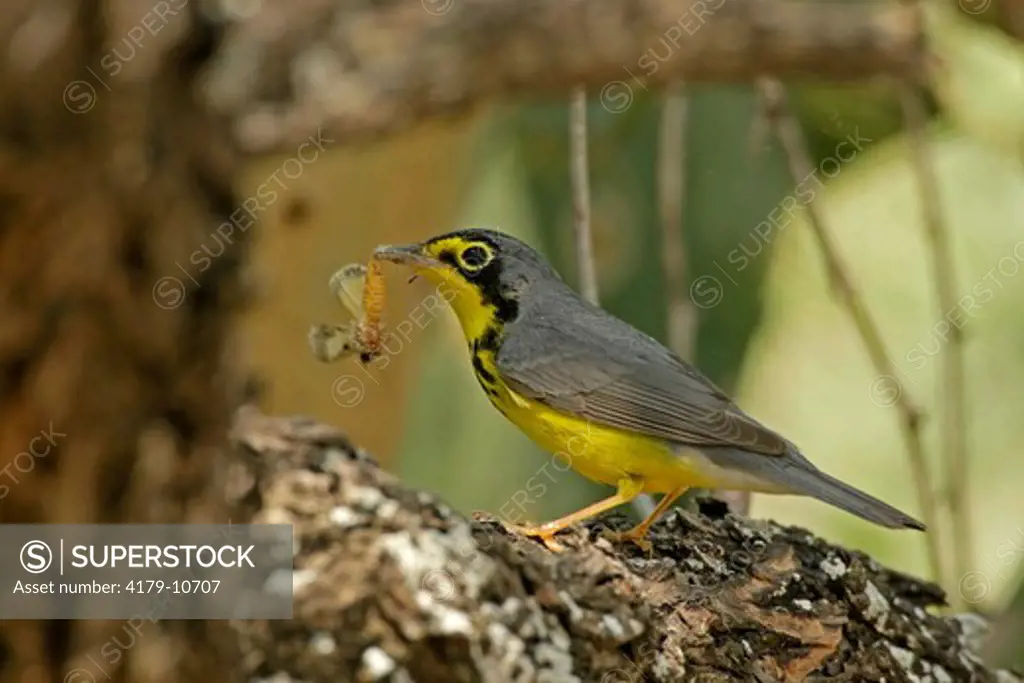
540	531
628	490
637	535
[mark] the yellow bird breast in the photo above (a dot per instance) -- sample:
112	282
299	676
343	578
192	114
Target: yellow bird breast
598	452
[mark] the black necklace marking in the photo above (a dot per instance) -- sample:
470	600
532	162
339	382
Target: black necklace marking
481	371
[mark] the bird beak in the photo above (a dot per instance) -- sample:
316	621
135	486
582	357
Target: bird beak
406	254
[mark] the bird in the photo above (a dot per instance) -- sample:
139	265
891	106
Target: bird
622	408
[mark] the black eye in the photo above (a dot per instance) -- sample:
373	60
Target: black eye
474	258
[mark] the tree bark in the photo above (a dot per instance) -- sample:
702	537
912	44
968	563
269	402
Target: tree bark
392	585
108	350
359	69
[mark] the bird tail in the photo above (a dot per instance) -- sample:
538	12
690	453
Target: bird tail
828	489
793	473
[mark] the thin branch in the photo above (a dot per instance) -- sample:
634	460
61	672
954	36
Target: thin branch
581	196
1009	14
295	68
682	315
954	422
585	266
682	319
800	166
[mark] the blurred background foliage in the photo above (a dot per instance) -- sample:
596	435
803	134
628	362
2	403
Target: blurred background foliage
777	339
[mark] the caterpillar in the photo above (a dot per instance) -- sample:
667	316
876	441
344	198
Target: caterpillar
369	328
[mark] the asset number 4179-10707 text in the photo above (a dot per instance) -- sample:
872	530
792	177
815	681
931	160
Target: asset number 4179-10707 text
186	586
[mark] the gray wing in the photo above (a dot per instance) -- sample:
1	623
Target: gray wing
598	367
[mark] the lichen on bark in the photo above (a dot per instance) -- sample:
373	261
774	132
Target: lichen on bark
393	585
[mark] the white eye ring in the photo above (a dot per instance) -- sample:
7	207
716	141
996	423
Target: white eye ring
475	257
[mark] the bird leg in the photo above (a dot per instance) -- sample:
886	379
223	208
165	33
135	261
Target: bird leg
628	489
638	533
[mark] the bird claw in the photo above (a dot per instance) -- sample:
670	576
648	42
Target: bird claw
637	536
546	536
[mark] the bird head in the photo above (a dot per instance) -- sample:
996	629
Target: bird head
485	275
